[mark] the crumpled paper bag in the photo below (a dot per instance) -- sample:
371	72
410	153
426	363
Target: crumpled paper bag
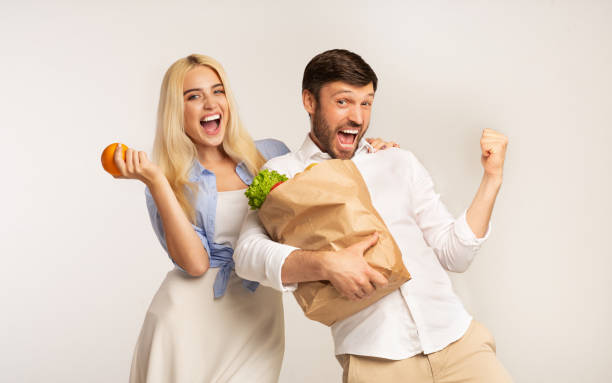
329	208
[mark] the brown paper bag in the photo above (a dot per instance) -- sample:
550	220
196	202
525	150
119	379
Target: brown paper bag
329	208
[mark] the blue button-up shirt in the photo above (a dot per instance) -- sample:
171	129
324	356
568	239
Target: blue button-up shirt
205	212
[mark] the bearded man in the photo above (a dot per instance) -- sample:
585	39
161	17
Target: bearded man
420	332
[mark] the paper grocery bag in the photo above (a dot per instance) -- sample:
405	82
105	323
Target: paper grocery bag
329	208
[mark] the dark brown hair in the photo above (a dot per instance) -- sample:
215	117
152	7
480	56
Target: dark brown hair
337	65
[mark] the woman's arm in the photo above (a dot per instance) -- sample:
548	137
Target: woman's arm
183	244
380	144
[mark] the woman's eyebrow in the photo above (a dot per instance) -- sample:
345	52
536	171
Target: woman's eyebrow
200	89
191	90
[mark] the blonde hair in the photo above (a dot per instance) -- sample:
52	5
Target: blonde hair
174	151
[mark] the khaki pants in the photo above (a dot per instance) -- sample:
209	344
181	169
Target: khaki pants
470	359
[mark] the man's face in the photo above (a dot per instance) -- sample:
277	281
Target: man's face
340	117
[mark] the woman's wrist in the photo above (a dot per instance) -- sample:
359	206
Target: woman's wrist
156	180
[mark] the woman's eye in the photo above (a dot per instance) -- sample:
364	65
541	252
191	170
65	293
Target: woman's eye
220	91
193	97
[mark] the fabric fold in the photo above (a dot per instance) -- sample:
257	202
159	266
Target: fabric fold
221	257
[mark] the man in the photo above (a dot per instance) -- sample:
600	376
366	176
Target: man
420	332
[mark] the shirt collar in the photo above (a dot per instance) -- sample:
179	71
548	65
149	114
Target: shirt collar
310	151
198	170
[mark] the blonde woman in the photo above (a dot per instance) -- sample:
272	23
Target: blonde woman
204	324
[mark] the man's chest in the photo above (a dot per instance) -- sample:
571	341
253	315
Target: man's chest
388	184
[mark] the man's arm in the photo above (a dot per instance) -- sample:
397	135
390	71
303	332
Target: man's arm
493	146
346	269
456	241
279	266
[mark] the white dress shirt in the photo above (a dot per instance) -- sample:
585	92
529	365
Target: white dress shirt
424	314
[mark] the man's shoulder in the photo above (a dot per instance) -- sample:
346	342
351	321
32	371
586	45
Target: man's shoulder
284	163
392	161
391	156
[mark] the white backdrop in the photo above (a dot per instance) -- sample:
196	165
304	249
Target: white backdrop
80	262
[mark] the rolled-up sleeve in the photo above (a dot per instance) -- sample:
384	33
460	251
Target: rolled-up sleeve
465	234
260	259
452	240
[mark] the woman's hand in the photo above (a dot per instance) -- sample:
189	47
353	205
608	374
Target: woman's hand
136	166
379	144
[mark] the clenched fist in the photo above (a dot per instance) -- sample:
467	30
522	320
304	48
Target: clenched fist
493	146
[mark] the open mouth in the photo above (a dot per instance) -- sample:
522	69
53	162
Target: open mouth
211	124
347	137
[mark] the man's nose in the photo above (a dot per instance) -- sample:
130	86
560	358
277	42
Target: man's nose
356	116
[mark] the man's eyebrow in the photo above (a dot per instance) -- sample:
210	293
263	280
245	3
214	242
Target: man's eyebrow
342	91
200	89
349	91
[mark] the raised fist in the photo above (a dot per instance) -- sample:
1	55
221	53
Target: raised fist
493	146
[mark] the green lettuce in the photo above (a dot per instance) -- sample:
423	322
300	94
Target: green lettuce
261	185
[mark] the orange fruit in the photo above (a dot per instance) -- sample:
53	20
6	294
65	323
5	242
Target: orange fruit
108	161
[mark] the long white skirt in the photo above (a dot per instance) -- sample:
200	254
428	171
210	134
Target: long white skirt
188	336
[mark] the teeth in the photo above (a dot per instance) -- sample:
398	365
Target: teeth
350	131
211	118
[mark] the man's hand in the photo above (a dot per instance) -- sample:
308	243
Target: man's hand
350	274
493	146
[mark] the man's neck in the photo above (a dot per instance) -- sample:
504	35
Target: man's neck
316	142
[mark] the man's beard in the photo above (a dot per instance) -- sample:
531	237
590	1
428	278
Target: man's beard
327	136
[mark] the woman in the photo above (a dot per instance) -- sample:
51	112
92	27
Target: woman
195	198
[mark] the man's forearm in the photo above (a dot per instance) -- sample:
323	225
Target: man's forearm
346	269
479	212
304	266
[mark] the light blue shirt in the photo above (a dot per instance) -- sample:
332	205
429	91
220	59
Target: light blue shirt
205	211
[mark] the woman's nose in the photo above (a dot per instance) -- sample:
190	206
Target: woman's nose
207	102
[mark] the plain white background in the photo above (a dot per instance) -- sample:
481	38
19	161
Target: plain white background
80	262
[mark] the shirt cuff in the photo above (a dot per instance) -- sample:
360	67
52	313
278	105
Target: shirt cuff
275	266
466	235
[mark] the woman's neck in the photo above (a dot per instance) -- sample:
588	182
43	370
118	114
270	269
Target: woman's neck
212	156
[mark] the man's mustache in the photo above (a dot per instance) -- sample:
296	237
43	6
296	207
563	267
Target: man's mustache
351	124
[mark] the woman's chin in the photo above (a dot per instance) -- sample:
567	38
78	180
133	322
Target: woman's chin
210	141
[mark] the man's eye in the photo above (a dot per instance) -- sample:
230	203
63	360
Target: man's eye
366	103
341	102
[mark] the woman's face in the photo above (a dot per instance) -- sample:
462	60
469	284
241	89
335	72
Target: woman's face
206	109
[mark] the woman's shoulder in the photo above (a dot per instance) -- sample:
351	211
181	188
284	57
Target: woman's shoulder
271	148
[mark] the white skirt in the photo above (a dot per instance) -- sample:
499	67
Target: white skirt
188	336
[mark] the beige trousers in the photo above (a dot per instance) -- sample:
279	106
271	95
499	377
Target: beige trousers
471	359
